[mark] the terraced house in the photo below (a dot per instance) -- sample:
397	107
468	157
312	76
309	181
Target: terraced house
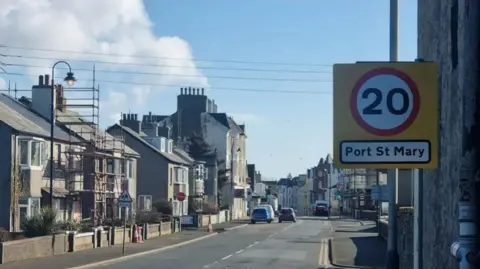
162	172
90	168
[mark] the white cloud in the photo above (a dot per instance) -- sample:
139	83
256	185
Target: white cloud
141	94
247	118
107	26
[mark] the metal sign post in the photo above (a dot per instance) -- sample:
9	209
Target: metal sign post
124	202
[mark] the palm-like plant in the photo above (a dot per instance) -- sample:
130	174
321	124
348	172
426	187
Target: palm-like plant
43	223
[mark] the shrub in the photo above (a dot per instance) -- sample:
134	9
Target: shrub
114	222
68	225
44	223
163	206
149	217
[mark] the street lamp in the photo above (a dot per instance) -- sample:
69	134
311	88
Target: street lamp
70	80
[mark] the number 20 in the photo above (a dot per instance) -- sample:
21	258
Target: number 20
372	109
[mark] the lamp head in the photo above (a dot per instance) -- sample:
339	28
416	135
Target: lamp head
70	79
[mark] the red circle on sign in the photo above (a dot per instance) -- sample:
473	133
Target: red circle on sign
415	101
180	196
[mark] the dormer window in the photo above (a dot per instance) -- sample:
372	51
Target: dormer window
170	146
163	144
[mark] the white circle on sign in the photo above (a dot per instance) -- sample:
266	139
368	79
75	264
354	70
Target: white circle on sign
385	102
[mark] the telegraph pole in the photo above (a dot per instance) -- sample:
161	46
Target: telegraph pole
392	174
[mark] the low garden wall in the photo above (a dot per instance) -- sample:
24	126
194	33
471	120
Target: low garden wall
60	243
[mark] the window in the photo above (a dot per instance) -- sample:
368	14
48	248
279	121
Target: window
61	204
23	144
59	156
110	183
32	152
34	206
162	144
35	153
117	169
109	166
170	146
129	169
184	176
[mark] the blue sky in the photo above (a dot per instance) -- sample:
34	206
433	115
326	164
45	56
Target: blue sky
287	132
295	129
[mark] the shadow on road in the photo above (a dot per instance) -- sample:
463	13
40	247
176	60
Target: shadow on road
358	252
366	230
371	251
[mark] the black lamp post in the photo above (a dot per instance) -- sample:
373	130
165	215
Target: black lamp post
70	80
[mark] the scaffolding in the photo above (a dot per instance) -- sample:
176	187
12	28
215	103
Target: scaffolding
94	168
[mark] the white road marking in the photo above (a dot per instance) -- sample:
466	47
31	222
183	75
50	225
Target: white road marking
323	257
226	257
252	245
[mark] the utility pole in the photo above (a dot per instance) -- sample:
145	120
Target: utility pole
392	253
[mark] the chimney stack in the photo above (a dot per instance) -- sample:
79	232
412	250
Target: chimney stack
47	80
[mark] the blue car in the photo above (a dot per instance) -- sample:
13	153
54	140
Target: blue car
260	214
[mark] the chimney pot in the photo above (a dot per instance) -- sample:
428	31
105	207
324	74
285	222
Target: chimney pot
40	80
203	91
136	117
181	91
189	90
47	80
124	117
198	91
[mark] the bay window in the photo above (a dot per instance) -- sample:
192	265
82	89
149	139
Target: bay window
32	152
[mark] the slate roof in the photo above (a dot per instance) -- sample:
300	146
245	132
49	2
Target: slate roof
183	154
19	117
227	121
172	157
84	131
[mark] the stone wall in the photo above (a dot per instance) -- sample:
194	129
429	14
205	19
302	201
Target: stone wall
449	34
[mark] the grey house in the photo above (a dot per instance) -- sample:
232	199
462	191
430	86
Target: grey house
24	137
95	166
161	172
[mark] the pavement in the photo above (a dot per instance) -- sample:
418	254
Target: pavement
81	258
357	245
301	245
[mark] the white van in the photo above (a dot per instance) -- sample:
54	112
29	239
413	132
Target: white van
269	208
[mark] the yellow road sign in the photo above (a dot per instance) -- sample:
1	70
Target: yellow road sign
385	115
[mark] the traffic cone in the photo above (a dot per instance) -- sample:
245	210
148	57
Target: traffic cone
137	236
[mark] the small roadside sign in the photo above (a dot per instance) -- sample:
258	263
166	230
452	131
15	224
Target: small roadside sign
124	200
385	115
380	193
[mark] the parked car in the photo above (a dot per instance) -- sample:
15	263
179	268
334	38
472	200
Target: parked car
260	214
270	210
321	209
287	214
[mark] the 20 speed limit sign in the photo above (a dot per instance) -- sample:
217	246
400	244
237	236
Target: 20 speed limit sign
385	115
